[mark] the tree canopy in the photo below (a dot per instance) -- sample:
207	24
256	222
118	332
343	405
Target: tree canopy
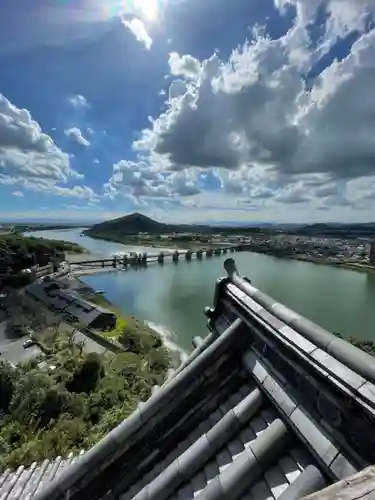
19	252
73	401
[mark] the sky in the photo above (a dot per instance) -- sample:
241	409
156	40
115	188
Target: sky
188	110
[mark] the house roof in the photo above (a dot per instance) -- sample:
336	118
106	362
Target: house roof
257	411
69	302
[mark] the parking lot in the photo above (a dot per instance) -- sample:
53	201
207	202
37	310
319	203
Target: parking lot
12	349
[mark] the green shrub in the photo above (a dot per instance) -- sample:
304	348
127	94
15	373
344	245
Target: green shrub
48	413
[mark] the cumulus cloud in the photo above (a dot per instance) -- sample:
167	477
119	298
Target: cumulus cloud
137	27
186	65
84	192
343	16
263	131
29	157
137	179
78	101
76	135
26	152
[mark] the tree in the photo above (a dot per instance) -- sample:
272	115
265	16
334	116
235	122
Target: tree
138	341
158	360
17	325
87	375
7	382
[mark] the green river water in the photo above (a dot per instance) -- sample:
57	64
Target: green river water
172	297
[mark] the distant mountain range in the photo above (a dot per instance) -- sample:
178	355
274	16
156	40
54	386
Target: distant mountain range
236	223
139	223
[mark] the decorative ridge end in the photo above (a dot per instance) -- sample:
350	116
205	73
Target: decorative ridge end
230	267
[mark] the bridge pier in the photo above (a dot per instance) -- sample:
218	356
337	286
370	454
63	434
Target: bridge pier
134	260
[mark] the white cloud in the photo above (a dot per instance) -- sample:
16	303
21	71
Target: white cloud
75	134
344	16
139	180
78	101
185	66
27	155
267	137
137	27
84	192
30	159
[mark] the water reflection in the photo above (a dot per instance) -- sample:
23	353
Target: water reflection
175	295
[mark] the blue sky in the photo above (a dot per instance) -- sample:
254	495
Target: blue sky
188	110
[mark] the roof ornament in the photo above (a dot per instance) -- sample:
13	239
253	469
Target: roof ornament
231	268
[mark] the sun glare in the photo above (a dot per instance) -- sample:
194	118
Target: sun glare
147	8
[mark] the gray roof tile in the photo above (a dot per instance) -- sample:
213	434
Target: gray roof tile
261	491
252	446
276	480
25	483
4	476
289	468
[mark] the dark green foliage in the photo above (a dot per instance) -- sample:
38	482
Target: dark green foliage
365	345
19	252
48	413
137	342
87	375
7	383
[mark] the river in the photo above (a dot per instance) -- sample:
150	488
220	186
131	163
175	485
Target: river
174	296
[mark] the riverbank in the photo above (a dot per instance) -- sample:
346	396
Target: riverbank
129	326
81	393
163	244
72	257
158	243
175	295
354	266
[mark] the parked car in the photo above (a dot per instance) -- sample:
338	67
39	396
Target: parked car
28	343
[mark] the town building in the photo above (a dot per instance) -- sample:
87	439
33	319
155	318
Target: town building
372	253
73	306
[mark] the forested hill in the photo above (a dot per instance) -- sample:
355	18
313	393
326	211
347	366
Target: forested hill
139	223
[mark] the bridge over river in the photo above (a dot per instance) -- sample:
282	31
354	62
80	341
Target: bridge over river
142	259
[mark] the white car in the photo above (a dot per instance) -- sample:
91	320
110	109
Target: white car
28	343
